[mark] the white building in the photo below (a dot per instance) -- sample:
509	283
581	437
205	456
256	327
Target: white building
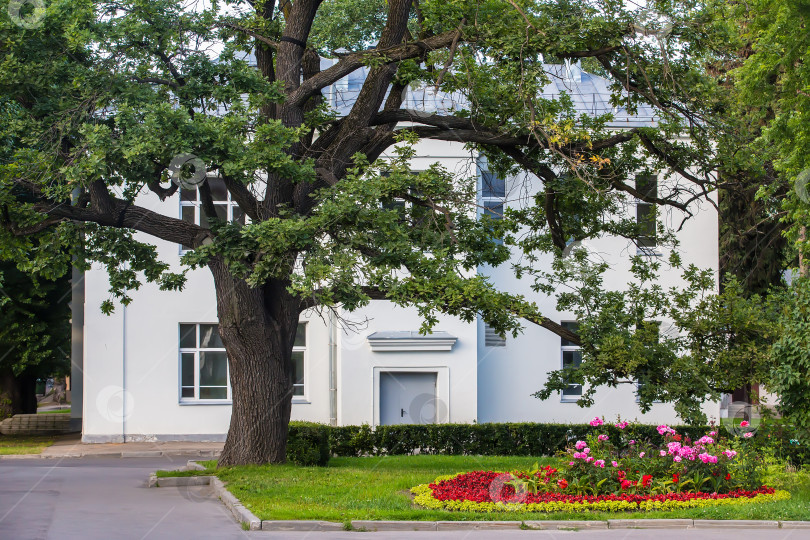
153	371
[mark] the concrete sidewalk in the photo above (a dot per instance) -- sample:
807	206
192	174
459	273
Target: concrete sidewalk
71	446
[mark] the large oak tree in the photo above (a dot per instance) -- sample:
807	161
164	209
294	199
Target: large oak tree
101	97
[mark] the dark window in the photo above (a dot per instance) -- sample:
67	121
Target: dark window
571	358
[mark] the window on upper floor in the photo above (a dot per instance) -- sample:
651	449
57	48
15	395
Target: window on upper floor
571	357
226	208
647	185
492	194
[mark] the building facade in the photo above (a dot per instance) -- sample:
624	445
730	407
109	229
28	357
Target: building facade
156	370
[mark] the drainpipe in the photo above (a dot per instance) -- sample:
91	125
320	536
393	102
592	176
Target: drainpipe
124	374
332	368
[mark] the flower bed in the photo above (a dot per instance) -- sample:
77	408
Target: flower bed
616	475
474	492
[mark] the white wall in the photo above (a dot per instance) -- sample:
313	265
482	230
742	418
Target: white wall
518	370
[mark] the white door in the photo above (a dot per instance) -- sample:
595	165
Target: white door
407	397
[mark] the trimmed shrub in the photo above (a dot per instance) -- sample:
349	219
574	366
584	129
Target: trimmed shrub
506	439
308	444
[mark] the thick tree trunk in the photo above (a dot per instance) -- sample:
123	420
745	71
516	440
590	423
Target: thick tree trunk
20	390
257	326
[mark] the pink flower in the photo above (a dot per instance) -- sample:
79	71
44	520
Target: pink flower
586	451
712	433
632	442
599	463
580	445
602	437
570	463
677	459
664	429
744	423
729	454
641	454
614	463
580	455
662	453
705	440
622	425
748	435
589	459
596	422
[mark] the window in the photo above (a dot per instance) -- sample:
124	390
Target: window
645	213
203	364
493	193
204	374
571	358
299	351
491	337
226	208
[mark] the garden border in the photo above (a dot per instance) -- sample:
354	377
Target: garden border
249	521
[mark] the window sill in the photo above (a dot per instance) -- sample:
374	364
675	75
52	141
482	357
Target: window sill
301	401
569	400
206	402
649	252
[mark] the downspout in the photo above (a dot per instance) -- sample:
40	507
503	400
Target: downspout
332	368
124	375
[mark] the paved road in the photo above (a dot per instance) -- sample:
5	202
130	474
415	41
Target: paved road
107	498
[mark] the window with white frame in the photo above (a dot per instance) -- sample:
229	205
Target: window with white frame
492	338
203	364
571	358
647	186
492	194
226	208
204	367
298	359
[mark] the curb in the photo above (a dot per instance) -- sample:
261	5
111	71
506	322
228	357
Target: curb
242	514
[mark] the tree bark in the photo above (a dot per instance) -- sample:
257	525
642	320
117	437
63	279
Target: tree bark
257	326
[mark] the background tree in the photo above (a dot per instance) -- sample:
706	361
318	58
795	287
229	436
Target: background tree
34	334
103	96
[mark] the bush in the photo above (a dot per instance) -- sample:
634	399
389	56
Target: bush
506	439
308	444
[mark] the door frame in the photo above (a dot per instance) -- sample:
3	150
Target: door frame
442	389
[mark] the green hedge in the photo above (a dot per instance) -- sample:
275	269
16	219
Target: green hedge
512	439
313	444
308	444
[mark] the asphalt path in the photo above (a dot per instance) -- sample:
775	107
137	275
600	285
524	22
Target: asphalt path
106	498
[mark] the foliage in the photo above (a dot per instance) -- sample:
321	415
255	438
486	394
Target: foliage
34	323
791	360
488	439
685	344
308	444
18	445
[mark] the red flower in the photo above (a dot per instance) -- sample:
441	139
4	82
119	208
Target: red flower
563	483
646	480
626	484
728	476
676	478
677	437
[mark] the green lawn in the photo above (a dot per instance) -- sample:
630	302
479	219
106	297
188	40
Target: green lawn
13	445
377	488
55	411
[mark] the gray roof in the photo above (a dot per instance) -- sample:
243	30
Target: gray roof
590	94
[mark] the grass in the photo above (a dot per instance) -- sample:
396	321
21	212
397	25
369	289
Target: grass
15	445
376	488
56	411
